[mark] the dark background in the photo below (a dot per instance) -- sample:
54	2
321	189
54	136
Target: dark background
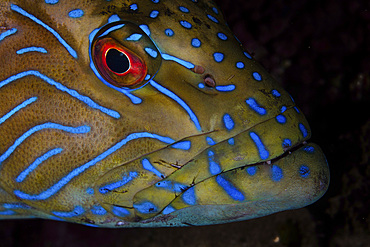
319	51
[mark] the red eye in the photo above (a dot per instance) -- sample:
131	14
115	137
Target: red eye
118	65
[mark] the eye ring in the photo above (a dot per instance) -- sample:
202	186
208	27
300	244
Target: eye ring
130	77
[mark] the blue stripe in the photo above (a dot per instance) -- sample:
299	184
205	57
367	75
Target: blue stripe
184	63
148	166
264	154
74	130
77	211
225	88
63	88
30	49
109	30
7	212
36	163
176	98
125	179
7	33
77	171
17	108
33	18
230	189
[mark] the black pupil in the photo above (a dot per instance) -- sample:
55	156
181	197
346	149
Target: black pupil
117	61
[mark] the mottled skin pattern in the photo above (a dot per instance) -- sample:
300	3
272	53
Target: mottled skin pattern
232	160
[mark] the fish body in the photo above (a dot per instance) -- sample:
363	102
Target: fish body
144	114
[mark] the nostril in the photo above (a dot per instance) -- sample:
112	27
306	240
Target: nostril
209	81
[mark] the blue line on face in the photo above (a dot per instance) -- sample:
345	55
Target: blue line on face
17	108
230	189
178	100
36	163
74	130
125	179
264	154
186	64
31	49
149	167
63	88
77	211
33	18
77	171
7	33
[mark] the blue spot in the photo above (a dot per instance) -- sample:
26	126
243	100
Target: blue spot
133	6
146	208
225	88
283	109
212	18
184	145
218	57
62	88
90	191
276	173
281	119
275	93
287	143
155	1
303	130
7	33
304	171
196	43
185	24
169	185
148	166
125	179
228	121
151	52
183	9
215	10
251	170
33	18
240	65
247	55
36	163
222	36
309	149
51	1
168	210
17	108
145	28
254	106
189	196
264	154
214	168
76	13
201	85
154	14
77	211
210	141
257	76
169	32
147	77
231	141
113	18
230	189
134	37
98	210
119	211
296	109
32	49
186	64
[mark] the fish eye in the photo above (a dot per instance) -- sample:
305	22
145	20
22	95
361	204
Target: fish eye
124	56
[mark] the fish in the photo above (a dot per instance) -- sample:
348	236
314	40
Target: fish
144	113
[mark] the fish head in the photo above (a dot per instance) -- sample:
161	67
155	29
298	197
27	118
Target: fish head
183	126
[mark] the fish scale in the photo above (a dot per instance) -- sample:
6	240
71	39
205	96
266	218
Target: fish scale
144	114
